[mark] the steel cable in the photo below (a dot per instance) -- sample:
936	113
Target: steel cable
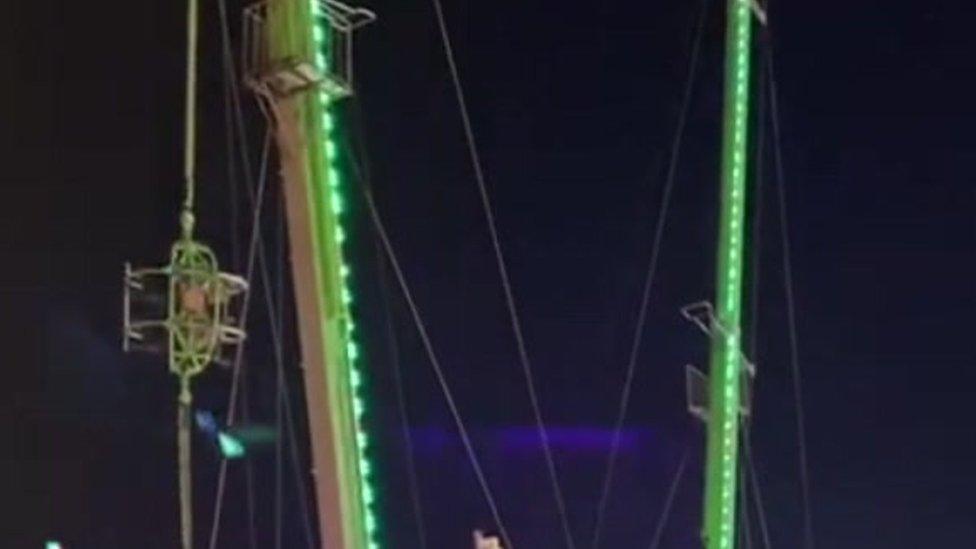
394	349
239	353
756	492
649	278
438	370
790	303
669	500
503	273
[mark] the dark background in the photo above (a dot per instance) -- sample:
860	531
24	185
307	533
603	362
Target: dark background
574	106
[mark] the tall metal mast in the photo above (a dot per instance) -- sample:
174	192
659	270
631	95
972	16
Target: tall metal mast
298	59
727	365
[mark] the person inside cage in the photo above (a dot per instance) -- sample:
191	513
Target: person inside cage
195	305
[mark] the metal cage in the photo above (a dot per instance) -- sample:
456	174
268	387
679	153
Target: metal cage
188	310
280	75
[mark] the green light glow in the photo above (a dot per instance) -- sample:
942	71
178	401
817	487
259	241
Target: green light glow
230	447
336	203
722	450
52	545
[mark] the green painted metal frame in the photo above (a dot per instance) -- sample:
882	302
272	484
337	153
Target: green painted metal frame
726	358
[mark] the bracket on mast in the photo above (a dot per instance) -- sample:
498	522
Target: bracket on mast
759	11
279	74
702	314
696	392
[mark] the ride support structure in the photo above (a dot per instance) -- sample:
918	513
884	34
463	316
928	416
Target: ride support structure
298	60
725	379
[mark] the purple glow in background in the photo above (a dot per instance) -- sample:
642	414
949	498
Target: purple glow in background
569	439
525	438
513	463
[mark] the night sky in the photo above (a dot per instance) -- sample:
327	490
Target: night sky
574	106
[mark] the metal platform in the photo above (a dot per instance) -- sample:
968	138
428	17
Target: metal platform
272	74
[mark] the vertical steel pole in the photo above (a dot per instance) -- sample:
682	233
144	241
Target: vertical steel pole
185	465
315	199
186	220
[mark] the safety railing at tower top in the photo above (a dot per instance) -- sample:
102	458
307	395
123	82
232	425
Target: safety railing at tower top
280	74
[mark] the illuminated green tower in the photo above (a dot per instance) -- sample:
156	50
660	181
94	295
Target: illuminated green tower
298	59
727	364
721	397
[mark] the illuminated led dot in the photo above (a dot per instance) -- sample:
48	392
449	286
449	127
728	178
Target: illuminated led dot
336	201
333	180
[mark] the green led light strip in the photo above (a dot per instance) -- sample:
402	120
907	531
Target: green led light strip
320	33
726	368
